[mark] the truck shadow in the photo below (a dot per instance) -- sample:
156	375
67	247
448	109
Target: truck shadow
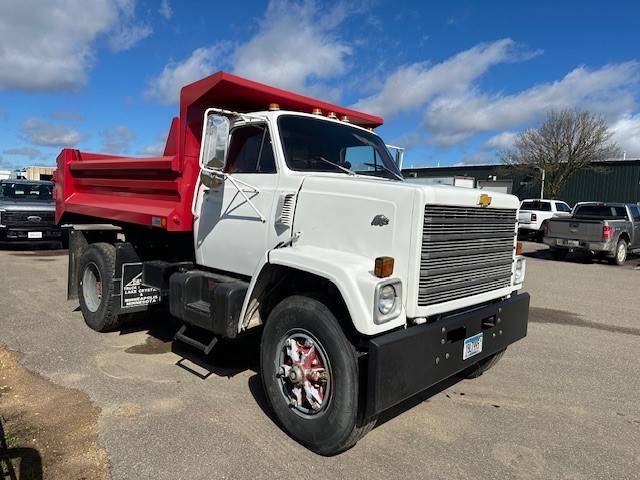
18	462
227	359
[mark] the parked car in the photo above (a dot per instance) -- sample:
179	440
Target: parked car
611	230
27	212
534	213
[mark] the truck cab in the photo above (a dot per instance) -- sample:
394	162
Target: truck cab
295	220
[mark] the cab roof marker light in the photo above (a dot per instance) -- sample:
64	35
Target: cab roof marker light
273	107
316	111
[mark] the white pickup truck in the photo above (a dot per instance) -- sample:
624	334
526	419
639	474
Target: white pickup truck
535	213
286	215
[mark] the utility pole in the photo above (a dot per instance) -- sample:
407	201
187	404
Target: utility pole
542	186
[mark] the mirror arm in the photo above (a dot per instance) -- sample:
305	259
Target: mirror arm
236	182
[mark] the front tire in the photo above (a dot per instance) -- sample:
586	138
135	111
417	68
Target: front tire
310	376
96	287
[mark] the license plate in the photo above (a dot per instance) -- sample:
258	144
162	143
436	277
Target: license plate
568	243
34	234
472	346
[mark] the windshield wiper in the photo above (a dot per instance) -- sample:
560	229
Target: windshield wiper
376	165
344	169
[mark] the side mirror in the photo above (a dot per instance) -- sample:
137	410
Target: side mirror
214	143
210	180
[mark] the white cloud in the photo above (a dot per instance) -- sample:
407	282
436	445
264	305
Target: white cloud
501	141
626	133
126	36
609	90
29	152
297	45
155	150
48	45
411	86
117	139
165	9
40	132
202	62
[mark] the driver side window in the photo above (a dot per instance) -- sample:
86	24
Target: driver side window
250	151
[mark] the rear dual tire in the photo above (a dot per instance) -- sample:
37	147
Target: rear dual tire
96	270
336	424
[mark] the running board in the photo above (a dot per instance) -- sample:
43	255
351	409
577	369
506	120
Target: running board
195	343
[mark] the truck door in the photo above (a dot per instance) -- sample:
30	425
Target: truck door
231	233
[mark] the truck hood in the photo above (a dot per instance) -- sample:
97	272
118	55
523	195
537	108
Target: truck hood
373	218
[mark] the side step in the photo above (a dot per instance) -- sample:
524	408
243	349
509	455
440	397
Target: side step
183	337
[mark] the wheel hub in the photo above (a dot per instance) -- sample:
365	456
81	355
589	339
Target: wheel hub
304	374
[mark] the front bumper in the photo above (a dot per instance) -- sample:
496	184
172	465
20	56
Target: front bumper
406	362
47	234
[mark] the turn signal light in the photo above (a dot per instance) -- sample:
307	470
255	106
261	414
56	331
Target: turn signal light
383	267
607	232
519	248
274	106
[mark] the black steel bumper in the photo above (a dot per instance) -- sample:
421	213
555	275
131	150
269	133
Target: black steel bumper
406	362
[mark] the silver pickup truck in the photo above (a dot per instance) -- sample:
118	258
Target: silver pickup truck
611	230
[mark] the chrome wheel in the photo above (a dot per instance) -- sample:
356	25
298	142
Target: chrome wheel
621	254
304	373
92	287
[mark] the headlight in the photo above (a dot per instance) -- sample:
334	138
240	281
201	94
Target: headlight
388	301
518	273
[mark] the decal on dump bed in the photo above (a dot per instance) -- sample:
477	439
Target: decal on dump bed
134	293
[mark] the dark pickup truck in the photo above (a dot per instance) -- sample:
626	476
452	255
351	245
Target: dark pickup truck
27	212
611	230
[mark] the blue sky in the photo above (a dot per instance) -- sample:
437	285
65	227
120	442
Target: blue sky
455	81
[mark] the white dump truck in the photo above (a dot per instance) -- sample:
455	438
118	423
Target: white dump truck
282	213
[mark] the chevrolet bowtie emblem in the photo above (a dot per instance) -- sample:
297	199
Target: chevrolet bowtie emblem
485	200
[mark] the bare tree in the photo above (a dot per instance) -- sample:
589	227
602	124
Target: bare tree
567	141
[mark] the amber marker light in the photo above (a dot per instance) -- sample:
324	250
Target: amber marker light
383	267
274	106
316	111
519	248
344	118
332	115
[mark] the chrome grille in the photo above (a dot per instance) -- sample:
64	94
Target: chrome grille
465	251
21	219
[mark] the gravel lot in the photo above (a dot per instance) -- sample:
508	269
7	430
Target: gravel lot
563	403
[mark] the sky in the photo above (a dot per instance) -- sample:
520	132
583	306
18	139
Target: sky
455	81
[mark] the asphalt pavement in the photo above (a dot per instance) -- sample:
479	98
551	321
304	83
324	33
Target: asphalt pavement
562	403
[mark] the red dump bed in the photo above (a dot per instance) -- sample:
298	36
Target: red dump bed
158	191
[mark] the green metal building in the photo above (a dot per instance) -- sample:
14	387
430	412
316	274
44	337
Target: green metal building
612	181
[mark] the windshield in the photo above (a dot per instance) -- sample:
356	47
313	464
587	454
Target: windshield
316	145
600	211
25	191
